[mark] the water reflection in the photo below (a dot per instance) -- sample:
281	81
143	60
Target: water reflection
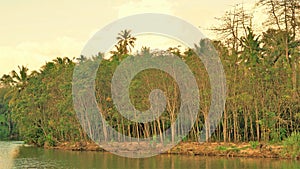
8	151
40	158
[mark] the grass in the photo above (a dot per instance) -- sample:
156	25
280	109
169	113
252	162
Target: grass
231	148
291	145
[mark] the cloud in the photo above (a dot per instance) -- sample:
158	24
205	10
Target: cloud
27	38
35	54
148	6
144	6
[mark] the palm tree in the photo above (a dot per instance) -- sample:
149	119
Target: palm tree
64	61
125	42
16	79
251	48
21	78
145	50
7	80
16	82
81	59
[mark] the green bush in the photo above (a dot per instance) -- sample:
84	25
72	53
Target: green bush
254	144
4	132
50	140
221	148
291	145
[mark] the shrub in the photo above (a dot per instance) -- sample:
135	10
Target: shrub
254	144
221	148
291	145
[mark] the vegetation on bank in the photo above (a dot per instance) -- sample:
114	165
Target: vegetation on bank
292	145
262	71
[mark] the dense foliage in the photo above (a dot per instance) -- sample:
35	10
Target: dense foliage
262	71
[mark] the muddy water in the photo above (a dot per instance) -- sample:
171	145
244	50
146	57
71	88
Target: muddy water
14	156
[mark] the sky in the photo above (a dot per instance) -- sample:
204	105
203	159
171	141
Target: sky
33	32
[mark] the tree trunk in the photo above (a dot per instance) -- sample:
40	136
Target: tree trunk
257	122
225	126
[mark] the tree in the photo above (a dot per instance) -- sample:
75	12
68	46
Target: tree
284	14
6	124
81	59
251	48
125	43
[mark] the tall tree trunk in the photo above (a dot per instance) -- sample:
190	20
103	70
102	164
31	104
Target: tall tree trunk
160	132
225	126
257	121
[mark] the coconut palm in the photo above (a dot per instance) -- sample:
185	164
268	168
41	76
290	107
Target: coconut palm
81	59
125	42
16	79
21	78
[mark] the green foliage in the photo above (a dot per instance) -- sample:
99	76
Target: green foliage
221	148
6	129
50	140
262	73
228	148
254	144
4	132
292	145
42	104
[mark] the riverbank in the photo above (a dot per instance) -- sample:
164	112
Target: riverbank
258	150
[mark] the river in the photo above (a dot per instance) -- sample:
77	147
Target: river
13	155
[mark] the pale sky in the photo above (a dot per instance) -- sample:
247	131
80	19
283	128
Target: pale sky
35	31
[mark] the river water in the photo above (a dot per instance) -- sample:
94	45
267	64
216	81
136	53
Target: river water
13	155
